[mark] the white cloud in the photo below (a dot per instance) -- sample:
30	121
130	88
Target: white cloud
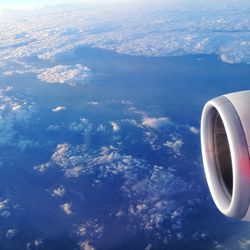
94	103
60	191
149	189
81	127
65	74
23	144
5	209
155	33
115	126
53	127
194	130
66	207
34	244
10	233
74	172
3	204
176	145
42	167
8	88
74	161
14	111
150	197
244	244
86	246
59	108
89	229
101	128
149	247
156	123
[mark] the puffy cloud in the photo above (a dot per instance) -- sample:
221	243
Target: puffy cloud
150	198
86	246
3	204
94	103
10	233
60	191
35	244
42	167
8	88
23	144
75	161
81	127
74	172
53	127
65	74
14	111
194	130
156	123
176	145
66	207
101	128
5	209
155	33
115	126
89	228
150	190
58	108
244	244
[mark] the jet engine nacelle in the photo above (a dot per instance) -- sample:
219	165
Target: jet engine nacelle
225	143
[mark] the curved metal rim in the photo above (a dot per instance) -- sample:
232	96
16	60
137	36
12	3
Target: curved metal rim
238	205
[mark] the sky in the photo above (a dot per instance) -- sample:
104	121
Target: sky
30	4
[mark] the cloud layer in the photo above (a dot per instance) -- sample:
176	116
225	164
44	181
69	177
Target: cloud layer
165	29
65	74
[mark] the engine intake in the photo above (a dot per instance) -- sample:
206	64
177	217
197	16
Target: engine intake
225	142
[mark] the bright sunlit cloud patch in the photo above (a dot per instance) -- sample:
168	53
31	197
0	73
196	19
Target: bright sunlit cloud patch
31	4
36	4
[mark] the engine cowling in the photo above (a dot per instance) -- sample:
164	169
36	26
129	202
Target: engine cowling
225	144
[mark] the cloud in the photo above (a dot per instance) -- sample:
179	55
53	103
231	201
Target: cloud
156	123
115	126
150	190
194	130
176	145
66	207
53	127
59	108
74	172
23	144
150	198
34	244
14	112
155	33
8	88
89	229
94	103
59	192
81	127
10	233
3	204
86	246
65	74
244	244
74	161
101	128
5	210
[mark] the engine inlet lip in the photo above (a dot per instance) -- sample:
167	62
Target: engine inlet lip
237	205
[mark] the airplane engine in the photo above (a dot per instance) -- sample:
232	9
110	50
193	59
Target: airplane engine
225	144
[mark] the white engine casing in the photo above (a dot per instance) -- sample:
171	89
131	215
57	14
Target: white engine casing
225	144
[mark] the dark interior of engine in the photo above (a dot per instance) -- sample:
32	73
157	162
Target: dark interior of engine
222	154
